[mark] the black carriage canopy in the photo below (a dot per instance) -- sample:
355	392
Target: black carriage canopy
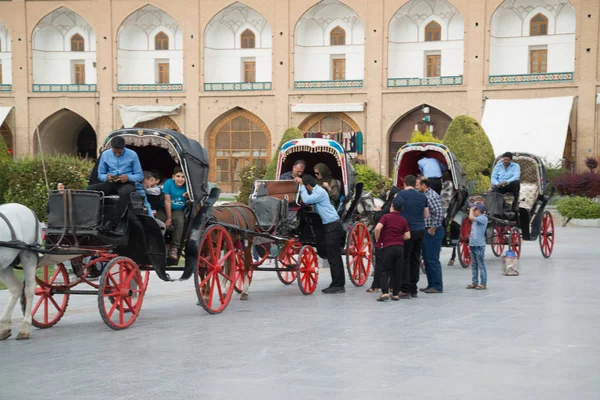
321	154
409	155
161	150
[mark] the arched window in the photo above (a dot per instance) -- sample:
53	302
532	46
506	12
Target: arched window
77	43
538	25
433	32
161	41
337	36
248	39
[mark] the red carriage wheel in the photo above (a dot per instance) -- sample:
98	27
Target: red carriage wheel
216	272
515	241
308	270
239	271
464	252
547	235
289	258
121	293
48	307
499	240
359	254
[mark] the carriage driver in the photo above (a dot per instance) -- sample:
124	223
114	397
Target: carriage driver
506	178
118	171
334	233
296	172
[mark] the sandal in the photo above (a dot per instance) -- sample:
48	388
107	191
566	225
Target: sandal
481	287
383	297
372	290
472	286
396	298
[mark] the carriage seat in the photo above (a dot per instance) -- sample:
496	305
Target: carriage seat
446	195
527	196
269	211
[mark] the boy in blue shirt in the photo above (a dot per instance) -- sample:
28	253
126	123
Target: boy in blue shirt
477	246
176	197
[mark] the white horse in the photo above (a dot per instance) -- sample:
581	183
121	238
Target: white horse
18	223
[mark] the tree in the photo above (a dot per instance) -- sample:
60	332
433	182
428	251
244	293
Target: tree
5	159
419	137
466	138
289	134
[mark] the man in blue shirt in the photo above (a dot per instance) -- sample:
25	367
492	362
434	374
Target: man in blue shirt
312	193
118	171
506	178
432	170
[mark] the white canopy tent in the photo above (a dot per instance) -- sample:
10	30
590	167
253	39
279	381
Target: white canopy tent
537	126
132	115
4	113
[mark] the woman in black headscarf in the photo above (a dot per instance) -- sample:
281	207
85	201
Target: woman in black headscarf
326	181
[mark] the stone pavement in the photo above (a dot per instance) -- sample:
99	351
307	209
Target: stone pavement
529	337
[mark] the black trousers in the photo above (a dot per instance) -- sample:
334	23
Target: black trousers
378	264
335	237
435	184
123	190
412	262
391	268
514	188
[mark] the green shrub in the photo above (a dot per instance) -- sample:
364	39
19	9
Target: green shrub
247	176
467	140
418	137
578	208
26	184
373	181
5	159
289	134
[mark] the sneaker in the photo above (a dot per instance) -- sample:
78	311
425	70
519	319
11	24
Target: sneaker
334	289
432	291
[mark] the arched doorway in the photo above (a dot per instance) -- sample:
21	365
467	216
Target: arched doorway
336	126
236	140
159	123
8	138
404	127
67	132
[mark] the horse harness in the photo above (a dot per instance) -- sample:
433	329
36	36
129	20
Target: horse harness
13	235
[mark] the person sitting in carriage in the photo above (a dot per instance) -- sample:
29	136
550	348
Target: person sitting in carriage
296	172
506	178
118	171
327	182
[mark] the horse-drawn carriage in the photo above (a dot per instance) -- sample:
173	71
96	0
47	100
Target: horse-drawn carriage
123	262
289	231
454	193
508	227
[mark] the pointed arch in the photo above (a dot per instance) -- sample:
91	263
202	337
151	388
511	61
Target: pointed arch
236	139
161	41
538	25
66	132
325	122
337	36
7	136
77	43
433	32
247	40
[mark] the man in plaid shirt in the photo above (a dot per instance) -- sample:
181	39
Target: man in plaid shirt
432	244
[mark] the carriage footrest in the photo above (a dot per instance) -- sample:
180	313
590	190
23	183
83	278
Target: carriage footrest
503	221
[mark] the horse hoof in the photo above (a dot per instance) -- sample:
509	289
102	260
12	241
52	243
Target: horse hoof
5	335
244	296
22	336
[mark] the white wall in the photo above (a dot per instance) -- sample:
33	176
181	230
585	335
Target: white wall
139	67
510	56
226	65
315	63
6	59
54	67
407	60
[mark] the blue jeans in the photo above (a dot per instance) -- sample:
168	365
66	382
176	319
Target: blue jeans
478	264
432	245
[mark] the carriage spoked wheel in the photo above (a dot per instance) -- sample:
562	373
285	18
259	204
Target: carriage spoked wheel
216	273
308	270
547	235
499	240
289	257
239	271
359	254
121	292
515	241
48	307
464	252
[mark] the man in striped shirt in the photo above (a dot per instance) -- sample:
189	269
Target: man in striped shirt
432	244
